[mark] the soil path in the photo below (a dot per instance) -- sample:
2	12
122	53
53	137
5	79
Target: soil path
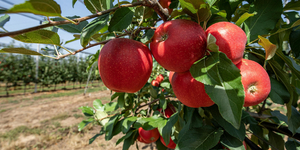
49	115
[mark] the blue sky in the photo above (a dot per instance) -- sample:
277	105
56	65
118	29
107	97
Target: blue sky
18	22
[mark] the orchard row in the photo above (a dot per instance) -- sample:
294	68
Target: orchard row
16	68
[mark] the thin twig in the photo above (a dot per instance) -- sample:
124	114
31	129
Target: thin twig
55	23
102	42
82	49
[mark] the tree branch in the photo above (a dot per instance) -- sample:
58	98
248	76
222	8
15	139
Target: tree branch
102	42
78	20
163	13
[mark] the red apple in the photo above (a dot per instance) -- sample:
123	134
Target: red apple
139	138
189	91
166	4
231	39
169	111
256	82
155	83
125	65
171	75
171	144
160	78
177	44
149	136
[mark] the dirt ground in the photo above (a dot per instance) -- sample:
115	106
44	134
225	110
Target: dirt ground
51	123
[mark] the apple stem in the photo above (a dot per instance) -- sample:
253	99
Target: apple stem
262	107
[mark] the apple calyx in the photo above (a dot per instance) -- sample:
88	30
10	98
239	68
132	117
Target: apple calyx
252	88
163	37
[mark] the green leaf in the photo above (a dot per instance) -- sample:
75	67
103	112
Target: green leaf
91	140
39	36
98	105
202	138
280	116
294	42
127	135
230	97
292	6
148	36
268	14
150	122
45	8
231	142
276	140
167	129
129	141
160	146
211	2
84	123
294	121
73	3
292	144
127	123
118	127
285	79
186	5
95	6
109	127
206	70
112	106
244	17
197	9
20	50
211	43
72	28
51	28
4	19
121	19
92	28
279	94
100	115
87	111
236	133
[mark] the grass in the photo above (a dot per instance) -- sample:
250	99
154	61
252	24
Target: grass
3	110
14	133
30	89
16	100
56	118
68	93
77	116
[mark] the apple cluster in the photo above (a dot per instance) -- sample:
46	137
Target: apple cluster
125	65
149	136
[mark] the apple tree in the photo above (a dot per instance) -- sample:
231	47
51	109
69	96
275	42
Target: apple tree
185	74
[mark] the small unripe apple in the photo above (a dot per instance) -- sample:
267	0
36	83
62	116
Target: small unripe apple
149	136
155	83
125	65
189	91
139	138
256	82
231	39
169	111
160	78
171	144
177	44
